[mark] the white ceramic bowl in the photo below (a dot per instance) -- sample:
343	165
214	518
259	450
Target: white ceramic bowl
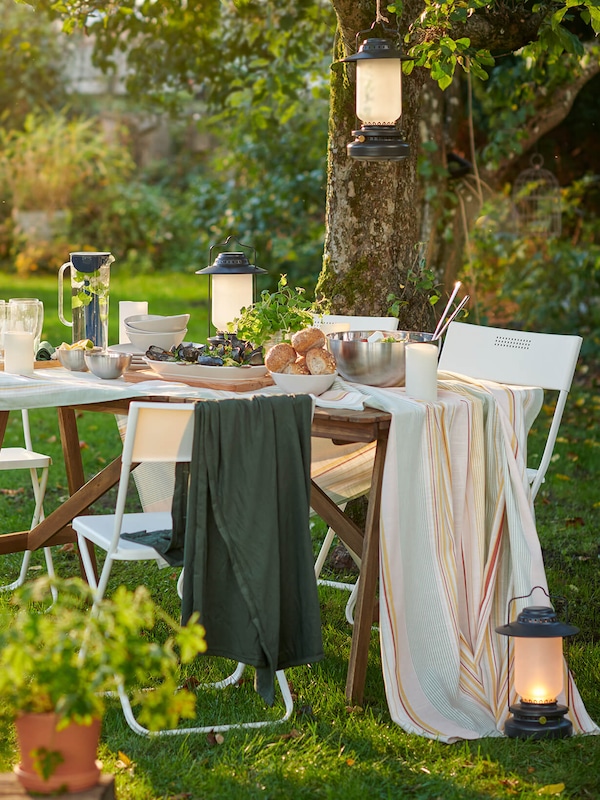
303	384
155	322
166	340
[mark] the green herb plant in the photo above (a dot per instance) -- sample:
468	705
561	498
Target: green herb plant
282	312
63	659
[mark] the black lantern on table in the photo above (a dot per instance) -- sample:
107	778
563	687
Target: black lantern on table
378	97
232	282
538	672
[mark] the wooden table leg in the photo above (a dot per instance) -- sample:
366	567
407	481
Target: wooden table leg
69	436
3	424
367	586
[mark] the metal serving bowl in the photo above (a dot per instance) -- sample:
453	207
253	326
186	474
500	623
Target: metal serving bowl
375	363
72	359
107	365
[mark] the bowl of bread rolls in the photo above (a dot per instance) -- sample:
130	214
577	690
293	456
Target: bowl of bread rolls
304	365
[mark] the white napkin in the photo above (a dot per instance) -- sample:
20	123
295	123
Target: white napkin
340	398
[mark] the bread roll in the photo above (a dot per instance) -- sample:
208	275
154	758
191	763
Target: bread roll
298	367
320	361
305	340
279	357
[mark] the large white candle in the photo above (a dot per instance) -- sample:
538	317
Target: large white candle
421	371
129	308
18	352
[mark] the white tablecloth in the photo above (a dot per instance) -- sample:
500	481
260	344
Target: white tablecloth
458	537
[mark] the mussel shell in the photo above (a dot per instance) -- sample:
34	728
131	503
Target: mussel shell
254	357
156	353
210	361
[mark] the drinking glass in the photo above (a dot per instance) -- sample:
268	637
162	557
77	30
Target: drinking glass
26	314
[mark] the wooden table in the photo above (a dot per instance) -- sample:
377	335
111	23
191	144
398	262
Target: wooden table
341	426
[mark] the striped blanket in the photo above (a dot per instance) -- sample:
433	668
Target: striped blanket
458	541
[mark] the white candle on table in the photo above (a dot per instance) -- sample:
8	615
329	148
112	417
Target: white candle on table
421	371
129	308
18	352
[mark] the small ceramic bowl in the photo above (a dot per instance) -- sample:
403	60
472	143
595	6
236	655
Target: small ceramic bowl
72	359
154	322
303	384
105	364
161	339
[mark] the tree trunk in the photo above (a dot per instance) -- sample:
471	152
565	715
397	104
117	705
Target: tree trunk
373	216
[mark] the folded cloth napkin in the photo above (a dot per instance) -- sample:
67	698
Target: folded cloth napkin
340	398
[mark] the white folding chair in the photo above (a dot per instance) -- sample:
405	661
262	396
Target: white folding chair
156	433
19	458
547	360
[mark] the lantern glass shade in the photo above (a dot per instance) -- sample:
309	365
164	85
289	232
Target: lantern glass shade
230	293
538	669
379	91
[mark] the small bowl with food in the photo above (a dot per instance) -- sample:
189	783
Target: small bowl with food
304	365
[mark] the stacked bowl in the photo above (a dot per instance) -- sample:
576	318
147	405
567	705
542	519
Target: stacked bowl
145	330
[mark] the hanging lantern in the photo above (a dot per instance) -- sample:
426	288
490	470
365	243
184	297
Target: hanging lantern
537	202
378	99
538	672
231	285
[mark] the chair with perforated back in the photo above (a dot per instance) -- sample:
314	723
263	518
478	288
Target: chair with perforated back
156	433
546	360
37	464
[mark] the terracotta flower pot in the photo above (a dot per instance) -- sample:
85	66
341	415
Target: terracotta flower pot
76	744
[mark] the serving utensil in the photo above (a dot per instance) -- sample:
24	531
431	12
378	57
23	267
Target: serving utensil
452	317
436	332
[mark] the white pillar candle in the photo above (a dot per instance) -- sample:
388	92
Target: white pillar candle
421	371
18	352
129	308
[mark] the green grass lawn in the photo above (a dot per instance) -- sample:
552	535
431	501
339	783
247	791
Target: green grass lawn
329	750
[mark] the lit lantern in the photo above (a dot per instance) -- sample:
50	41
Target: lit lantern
538	672
378	100
232	283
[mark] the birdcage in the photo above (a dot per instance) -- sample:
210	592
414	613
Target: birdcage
536	200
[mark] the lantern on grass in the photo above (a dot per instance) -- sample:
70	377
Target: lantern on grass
378	98
538	672
232	282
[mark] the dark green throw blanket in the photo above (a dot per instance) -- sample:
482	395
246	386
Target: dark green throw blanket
248	553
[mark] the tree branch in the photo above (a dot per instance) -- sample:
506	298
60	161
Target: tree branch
549	117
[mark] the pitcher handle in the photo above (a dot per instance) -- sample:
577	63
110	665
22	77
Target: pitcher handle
61	307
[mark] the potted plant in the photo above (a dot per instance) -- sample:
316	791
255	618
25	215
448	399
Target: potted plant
276	315
57	664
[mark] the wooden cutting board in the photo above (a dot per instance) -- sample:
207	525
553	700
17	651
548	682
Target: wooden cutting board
41	365
139	375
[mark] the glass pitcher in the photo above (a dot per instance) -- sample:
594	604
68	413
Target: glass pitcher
90	278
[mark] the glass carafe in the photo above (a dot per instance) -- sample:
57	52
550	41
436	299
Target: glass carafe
90	279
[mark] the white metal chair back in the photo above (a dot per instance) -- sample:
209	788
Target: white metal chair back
547	360
26	458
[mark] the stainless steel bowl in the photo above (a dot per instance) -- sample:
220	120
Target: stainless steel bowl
105	364
374	363
72	359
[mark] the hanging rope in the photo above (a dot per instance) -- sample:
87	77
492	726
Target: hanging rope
379	17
